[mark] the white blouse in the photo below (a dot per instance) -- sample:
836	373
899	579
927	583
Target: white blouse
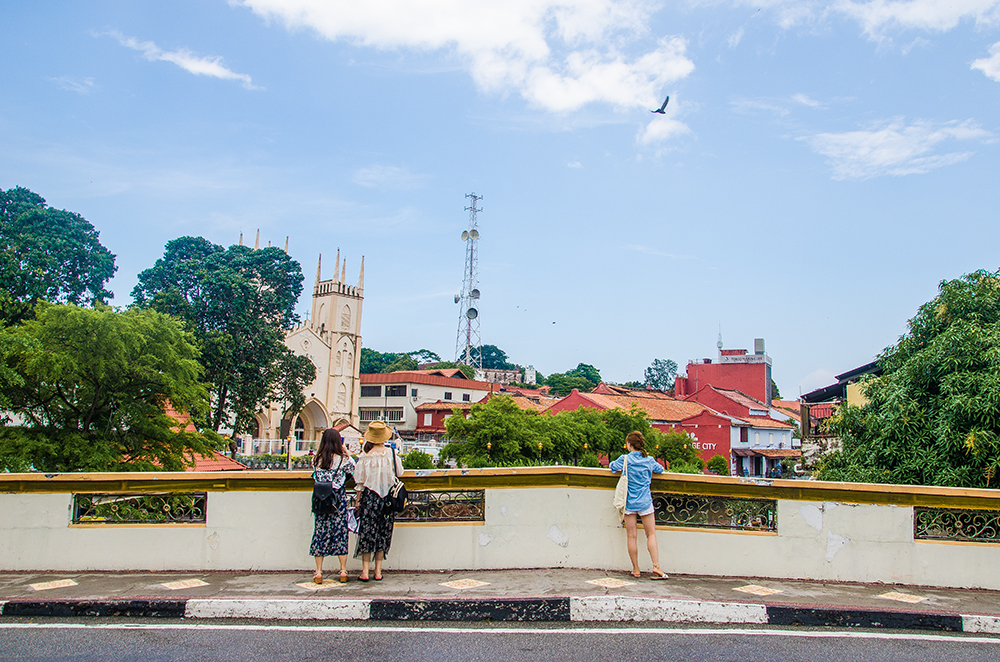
375	470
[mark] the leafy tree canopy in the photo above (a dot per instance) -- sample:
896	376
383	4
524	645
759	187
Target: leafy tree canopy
660	374
47	254
494	358
238	302
93	388
933	416
373	362
295	373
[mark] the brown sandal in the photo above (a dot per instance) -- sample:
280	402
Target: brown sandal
318	578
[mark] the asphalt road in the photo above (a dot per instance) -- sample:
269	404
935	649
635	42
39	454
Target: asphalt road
153	642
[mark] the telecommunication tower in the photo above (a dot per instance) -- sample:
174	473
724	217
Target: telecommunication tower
467	344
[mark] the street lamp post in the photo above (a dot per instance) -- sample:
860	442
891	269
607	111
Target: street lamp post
488	447
539	452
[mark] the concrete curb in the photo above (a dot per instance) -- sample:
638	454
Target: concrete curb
577	609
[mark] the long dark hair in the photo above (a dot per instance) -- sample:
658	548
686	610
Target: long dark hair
330	444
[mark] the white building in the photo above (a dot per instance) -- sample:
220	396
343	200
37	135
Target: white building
331	338
393	397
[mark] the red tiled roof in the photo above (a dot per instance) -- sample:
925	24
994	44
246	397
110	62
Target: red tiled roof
448	406
761	422
429	378
778	452
215	462
740	398
821	411
659	409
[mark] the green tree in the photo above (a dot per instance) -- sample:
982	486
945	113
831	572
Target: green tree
498	422
417	459
775	393
587	371
494	358
661	374
47	254
564	383
401	362
94	388
674	447
238	302
933	416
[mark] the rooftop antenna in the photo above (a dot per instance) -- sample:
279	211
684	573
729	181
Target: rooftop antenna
467	343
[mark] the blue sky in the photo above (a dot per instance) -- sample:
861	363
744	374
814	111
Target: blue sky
821	167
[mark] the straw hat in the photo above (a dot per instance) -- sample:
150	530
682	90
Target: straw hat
378	432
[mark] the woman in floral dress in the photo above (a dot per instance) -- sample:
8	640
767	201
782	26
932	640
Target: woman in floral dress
332	465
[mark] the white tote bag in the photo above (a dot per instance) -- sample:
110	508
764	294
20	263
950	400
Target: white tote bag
621	491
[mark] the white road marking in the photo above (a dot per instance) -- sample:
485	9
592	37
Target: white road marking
701	632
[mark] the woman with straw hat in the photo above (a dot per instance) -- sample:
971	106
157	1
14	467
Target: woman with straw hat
375	473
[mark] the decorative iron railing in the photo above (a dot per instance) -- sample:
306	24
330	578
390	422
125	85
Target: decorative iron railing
298	464
715	512
148	508
454	506
956	524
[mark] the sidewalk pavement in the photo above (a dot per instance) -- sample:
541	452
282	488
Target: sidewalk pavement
498	595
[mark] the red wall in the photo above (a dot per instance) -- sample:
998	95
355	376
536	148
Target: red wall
710	438
751	378
719	402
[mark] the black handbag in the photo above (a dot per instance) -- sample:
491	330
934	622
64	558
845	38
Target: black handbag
326	500
395	500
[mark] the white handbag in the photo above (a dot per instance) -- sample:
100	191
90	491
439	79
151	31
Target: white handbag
621	491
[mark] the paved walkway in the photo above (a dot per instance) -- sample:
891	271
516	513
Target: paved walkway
536	595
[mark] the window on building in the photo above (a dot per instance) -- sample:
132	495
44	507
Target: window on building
447	395
394	414
396	391
369	415
428	420
466	397
300	428
413	392
345	318
744	434
342	397
371	392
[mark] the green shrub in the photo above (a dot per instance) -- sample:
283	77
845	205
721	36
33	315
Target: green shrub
719	465
589	460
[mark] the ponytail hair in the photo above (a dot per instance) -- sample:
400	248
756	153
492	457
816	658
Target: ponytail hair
637	442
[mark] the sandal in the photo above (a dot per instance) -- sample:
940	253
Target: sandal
637	575
343	577
378	578
658	574
362	579
318	578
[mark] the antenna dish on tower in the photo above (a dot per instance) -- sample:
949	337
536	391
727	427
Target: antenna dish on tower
474	294
472	313
457	298
467	344
465	235
474	234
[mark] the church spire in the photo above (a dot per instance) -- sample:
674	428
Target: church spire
319	269
361	276
343	274
241	239
336	266
286	244
256	243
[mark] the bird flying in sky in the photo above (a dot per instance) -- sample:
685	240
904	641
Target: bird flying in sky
662	110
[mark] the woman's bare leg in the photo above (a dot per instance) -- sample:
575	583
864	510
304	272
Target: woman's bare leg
633	546
319	565
366	557
343	564
379	556
649	526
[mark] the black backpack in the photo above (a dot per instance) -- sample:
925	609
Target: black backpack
326	500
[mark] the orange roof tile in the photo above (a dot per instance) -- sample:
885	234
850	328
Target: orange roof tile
427	377
761	422
439	405
658	409
215	462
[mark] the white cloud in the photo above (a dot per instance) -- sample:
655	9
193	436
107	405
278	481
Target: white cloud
574	164
383	176
185	59
557	54
893	148
806	101
78	85
990	65
662	128
931	15
735	38
747	106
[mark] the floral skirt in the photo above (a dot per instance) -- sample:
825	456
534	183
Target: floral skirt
374	525
330	531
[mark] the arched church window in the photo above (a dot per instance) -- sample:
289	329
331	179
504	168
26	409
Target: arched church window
345	318
341	396
300	428
321	314
350	364
339	358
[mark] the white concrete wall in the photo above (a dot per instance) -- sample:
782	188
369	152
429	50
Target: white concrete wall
524	528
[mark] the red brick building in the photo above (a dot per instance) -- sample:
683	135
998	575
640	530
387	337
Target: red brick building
734	369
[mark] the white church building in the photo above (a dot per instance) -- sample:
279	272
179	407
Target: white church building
331	338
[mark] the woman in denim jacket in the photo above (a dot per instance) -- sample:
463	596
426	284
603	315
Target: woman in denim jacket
639	503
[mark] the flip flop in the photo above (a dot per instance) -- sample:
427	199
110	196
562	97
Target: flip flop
658	575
